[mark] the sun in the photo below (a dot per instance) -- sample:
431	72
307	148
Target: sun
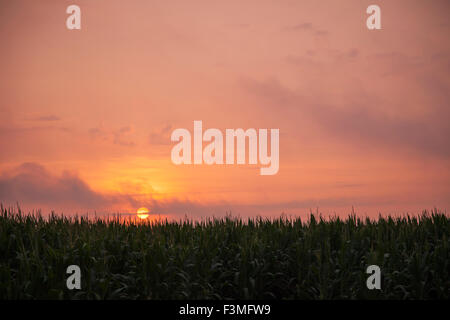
142	213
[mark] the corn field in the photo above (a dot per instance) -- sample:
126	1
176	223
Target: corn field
227	258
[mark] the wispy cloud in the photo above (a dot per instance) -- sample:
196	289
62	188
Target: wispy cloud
160	136
47	118
362	122
306	27
121	136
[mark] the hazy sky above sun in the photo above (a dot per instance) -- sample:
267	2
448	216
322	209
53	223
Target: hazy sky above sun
86	115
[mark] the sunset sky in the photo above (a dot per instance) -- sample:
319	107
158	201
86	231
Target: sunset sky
86	115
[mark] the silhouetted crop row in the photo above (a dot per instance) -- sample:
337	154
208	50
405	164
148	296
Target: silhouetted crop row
225	258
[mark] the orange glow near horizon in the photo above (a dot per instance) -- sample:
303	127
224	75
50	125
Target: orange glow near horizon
143	213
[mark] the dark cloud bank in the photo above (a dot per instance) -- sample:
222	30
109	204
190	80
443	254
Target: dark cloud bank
31	183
